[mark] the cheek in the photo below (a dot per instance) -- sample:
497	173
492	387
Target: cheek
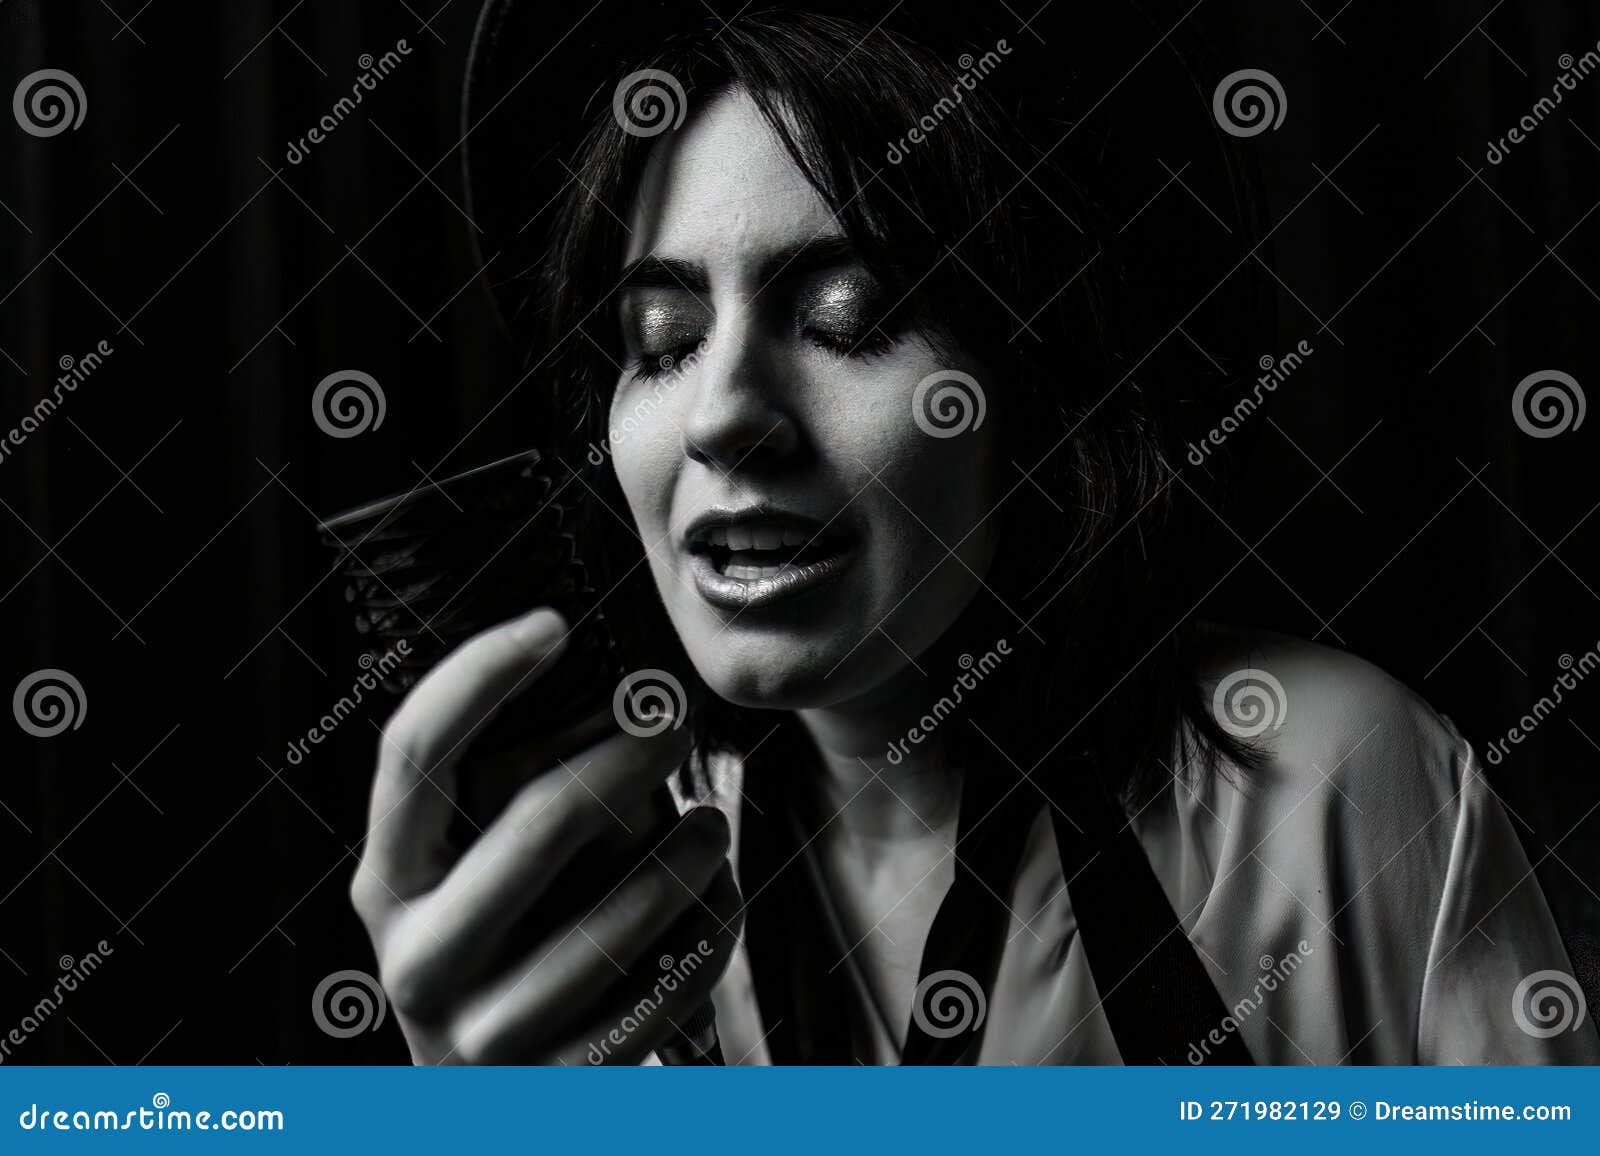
644	454
932	481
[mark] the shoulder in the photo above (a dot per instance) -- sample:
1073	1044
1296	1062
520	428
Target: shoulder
1308	710
1333	849
1357	783
1367	844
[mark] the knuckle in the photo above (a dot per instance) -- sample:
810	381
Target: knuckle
490	651
366	894
472	1049
488	1039
536	805
548	821
400	740
404	978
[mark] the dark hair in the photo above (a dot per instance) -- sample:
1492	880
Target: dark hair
976	228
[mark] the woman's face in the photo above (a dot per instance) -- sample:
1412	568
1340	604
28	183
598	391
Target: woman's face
811	522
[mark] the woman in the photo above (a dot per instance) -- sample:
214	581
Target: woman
878	478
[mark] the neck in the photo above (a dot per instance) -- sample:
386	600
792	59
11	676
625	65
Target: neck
886	777
873	800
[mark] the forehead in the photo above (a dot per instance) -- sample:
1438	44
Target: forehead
723	191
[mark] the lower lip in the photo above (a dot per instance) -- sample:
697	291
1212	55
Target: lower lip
727	593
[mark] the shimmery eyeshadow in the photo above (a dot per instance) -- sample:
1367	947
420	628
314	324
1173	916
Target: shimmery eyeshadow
845	302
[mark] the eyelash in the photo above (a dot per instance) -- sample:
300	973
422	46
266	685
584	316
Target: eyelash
871	342
874	341
649	366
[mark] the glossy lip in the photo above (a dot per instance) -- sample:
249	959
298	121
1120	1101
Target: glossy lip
727	593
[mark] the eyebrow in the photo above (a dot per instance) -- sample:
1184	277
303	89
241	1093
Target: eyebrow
653	272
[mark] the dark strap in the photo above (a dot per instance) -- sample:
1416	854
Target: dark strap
801	989
1155	992
801	995
962	954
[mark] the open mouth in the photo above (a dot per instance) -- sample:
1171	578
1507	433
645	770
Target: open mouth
755	557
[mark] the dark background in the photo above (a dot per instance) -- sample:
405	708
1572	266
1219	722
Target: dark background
158	530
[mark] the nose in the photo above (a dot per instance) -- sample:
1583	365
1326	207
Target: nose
739	420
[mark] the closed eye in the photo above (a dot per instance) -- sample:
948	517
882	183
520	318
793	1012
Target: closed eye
873	341
653	363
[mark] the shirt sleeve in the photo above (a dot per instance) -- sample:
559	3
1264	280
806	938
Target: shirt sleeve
1499	987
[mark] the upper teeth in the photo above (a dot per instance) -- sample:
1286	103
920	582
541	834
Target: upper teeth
755	537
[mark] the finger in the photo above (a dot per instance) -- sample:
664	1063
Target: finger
676	976
547	991
412	795
453	933
490	779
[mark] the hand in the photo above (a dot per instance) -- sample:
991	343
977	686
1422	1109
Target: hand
468	979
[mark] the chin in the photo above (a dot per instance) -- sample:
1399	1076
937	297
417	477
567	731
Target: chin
779	670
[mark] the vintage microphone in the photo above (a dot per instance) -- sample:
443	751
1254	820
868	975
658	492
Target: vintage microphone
427	569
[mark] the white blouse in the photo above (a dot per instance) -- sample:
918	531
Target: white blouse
1361	897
